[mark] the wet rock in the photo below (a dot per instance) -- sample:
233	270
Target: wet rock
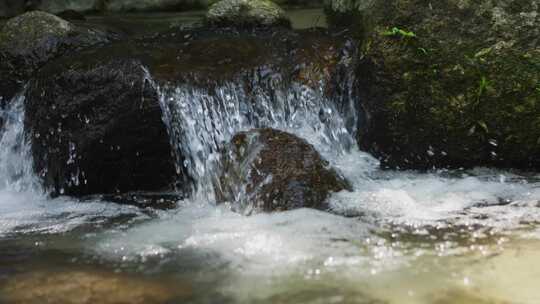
82	287
452	83
270	170
154	201
95	127
246	13
318	58
30	40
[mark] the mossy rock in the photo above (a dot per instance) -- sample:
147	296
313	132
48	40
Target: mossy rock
30	40
246	13
271	170
453	83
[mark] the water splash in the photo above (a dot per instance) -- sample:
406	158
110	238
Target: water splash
24	204
202	121
16	167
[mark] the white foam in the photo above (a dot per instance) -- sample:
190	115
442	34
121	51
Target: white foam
24	205
26	212
431	199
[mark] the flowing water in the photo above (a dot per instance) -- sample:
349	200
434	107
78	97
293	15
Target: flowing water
469	236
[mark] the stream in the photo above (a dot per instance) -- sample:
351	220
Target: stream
435	237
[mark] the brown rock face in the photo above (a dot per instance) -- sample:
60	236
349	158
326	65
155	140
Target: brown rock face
270	170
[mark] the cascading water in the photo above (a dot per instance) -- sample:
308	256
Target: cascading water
202	121
16	172
24	205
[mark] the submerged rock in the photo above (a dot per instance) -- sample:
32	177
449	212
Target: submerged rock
270	170
452	83
246	13
95	127
85	287
30	40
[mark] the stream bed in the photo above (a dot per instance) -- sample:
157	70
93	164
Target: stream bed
400	237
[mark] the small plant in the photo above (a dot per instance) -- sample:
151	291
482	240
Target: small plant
397	32
482	87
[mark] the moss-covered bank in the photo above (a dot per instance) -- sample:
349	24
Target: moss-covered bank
451	83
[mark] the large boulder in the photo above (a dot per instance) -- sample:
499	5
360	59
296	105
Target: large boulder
270	170
30	40
246	13
452	83
95	127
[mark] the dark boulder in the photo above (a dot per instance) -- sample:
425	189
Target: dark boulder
96	127
270	170
30	40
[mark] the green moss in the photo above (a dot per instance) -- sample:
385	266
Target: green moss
459	94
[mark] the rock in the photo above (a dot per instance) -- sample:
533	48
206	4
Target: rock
58	6
85	287
30	40
143	200
452	83
270	170
246	13
95	127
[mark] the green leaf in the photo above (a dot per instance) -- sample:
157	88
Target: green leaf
483	125
395	31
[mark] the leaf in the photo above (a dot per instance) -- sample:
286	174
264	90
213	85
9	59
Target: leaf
483	125
395	31
483	52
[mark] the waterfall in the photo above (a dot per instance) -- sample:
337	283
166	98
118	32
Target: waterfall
16	167
201	121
